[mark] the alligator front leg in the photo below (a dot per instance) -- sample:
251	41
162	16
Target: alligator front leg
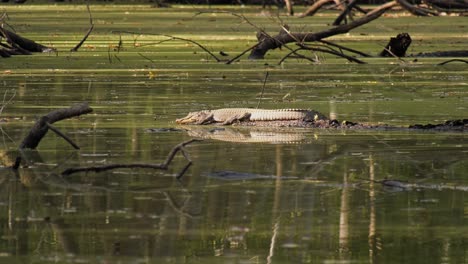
208	119
238	117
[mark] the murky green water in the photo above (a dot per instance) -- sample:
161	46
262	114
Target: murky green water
315	196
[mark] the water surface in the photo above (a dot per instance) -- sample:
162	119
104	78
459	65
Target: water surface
308	196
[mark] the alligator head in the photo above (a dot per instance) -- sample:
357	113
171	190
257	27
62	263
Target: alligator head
198	118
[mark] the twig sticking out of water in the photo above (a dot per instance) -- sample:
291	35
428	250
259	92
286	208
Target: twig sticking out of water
89	30
160	166
263	88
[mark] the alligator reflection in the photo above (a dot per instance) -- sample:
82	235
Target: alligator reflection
319	201
248	135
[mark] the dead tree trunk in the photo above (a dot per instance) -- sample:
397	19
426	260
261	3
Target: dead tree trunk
267	43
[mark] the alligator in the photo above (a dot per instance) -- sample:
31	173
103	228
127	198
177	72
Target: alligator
302	118
228	116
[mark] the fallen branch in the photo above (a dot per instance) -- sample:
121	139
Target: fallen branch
266	44
261	33
297	55
330	51
241	54
184	170
161	166
170	38
344	48
89	30
60	134
40	128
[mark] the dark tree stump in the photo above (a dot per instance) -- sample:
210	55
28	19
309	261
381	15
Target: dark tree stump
397	46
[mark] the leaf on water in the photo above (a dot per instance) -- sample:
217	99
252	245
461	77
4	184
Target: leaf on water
152	75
